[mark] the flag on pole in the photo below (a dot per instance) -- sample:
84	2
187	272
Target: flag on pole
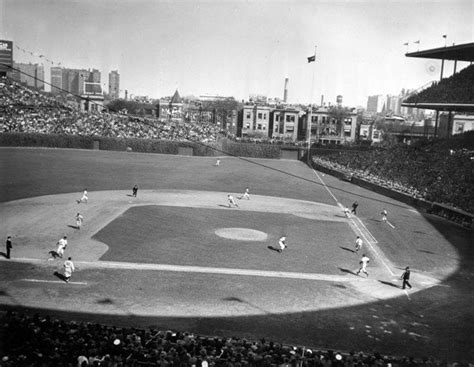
405	44
445	35
418	42
311	58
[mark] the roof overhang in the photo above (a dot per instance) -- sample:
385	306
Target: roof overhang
464	52
454	107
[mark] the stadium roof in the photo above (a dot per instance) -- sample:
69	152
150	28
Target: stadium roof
463	52
455	107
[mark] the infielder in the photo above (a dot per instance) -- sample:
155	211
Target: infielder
231	200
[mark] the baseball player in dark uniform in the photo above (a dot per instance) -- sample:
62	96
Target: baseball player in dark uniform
406	277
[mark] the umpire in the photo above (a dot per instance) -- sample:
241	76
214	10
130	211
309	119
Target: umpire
406	277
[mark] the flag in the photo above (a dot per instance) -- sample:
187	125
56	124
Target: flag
417	42
311	58
405	44
445	35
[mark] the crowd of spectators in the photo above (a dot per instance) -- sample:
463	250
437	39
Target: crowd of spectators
25	110
455	89
44	341
430	172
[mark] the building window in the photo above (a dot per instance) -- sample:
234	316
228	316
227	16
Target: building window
259	126
249	115
347	133
259	115
277	118
264	116
290	118
247	126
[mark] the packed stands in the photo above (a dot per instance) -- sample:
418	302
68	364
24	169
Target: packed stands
45	341
437	171
28	111
455	89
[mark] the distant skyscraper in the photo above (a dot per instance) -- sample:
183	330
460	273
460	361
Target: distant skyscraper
393	104
375	104
114	84
59	80
30	74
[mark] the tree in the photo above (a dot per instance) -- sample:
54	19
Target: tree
339	114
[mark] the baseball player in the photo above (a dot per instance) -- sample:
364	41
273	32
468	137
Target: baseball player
231	200
282	243
84	197
363	265
62	244
245	195
68	269
358	244
79	220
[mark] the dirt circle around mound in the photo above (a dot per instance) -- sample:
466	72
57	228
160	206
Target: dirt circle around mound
241	234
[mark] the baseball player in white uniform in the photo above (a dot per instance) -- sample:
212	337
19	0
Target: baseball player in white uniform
231	200
363	265
358	243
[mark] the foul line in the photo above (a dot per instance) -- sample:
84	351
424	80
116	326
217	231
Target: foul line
378	252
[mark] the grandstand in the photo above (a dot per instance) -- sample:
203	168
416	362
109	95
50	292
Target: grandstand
453	94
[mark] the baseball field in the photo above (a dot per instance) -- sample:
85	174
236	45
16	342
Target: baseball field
178	257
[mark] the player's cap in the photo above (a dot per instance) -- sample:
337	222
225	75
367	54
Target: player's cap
407	268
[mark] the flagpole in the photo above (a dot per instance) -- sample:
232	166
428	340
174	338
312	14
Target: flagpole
309	122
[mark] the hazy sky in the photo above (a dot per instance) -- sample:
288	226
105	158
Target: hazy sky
236	48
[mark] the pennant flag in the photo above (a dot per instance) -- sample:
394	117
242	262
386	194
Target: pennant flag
311	58
417	42
445	35
405	44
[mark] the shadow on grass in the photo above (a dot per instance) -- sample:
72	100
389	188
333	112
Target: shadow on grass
389	283
348	271
347	249
427	252
60	276
274	249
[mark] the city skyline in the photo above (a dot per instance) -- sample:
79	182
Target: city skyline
237	48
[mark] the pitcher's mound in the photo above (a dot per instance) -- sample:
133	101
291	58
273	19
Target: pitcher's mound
241	234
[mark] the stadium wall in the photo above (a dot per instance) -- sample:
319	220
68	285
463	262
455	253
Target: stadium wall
141	145
105	143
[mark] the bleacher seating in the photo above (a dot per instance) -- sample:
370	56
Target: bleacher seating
28	111
455	89
433	171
